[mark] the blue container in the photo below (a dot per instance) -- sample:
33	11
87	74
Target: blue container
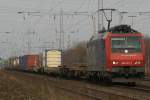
22	62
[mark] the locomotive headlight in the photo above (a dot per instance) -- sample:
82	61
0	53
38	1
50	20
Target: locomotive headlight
115	62
126	51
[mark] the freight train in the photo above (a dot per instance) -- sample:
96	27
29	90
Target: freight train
117	52
48	62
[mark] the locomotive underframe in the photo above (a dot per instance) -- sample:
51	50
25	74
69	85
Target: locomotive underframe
128	72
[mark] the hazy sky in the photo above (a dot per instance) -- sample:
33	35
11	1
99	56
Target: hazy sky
42	29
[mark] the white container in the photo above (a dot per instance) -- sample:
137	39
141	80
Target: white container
53	58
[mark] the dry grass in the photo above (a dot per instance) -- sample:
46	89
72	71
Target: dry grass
27	87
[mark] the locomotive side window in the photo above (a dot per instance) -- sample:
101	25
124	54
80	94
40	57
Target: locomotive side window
118	42
133	42
130	43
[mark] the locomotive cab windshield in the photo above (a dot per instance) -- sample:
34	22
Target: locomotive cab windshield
126	44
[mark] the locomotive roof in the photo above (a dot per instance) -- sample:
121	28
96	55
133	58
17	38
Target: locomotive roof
97	36
120	29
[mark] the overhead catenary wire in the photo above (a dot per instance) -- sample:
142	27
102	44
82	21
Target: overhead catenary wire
59	2
54	7
77	23
115	3
82	4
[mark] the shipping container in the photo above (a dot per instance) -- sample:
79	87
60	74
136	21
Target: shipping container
22	62
29	62
16	62
53	58
13	62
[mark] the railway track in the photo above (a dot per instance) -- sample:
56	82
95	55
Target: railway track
137	88
94	93
140	88
98	92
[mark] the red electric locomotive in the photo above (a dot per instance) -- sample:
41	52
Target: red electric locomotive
118	52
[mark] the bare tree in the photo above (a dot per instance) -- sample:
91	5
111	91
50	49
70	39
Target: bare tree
147	53
75	55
